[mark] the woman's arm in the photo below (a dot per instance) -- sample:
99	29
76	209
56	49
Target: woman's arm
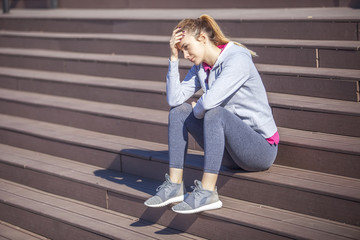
177	93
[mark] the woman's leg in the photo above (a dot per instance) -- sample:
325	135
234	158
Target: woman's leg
181	122
248	149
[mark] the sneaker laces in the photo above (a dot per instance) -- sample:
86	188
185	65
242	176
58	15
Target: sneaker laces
165	184
197	189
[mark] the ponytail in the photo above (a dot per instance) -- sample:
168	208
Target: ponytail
207	25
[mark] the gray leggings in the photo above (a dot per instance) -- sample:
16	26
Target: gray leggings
225	138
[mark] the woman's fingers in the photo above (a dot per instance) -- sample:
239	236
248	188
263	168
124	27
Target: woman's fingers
176	37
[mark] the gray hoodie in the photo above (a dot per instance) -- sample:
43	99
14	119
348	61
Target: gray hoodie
233	83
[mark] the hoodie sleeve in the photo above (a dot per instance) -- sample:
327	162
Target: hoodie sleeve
178	92
235	71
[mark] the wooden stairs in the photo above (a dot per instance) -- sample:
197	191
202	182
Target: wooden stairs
83	121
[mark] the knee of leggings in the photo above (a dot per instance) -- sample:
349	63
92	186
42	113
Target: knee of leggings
213	113
184	108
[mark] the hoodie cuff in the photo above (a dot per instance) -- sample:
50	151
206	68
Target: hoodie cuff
199	111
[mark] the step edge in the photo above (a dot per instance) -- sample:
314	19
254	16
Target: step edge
288	43
347	74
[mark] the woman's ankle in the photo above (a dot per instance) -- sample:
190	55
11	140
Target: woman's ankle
209	181
176	175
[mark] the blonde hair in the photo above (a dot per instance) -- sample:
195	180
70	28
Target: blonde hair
206	24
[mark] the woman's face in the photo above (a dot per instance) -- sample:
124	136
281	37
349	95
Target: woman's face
192	48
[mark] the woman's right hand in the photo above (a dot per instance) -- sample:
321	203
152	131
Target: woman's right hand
176	37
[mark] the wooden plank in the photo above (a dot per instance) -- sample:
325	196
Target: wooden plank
8	231
88	142
303	157
86	217
82	63
311	103
311	86
129	38
76	136
296	14
332	123
160	117
80	111
46	226
273	51
136	125
243	213
131	186
326	73
320	140
339	59
111	4
266	188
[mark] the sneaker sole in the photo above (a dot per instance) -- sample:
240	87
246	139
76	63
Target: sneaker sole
207	207
167	202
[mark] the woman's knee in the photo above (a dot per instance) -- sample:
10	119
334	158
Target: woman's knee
182	110
214	113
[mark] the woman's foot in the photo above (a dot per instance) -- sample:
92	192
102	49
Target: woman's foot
167	193
199	200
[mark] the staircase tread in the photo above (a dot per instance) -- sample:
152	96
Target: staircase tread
105	82
101	221
276	99
276	14
234	210
9	231
333	73
295	178
291	136
346	74
297	43
311	103
108	223
91	107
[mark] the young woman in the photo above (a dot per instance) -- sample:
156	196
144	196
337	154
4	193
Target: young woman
232	120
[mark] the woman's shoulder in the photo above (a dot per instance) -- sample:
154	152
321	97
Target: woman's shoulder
238	50
236	53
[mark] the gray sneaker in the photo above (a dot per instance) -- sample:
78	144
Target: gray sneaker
198	200
167	193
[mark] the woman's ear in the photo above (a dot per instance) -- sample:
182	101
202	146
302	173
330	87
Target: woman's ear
202	37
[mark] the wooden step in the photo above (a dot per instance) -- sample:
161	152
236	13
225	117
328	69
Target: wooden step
111	4
126	193
315	114
141	93
151	125
319	82
31	4
298	112
314	151
307	192
300	23
308	53
134	122
61	218
9	231
124	66
203	3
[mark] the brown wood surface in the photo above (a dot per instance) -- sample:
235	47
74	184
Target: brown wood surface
236	211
